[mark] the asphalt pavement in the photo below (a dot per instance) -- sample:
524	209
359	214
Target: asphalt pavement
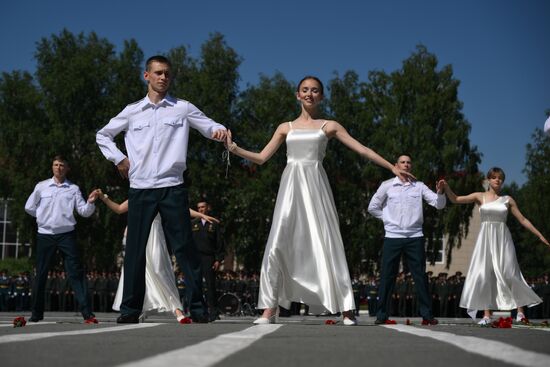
62	339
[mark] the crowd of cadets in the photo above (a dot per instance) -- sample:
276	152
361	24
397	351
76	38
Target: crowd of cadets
15	293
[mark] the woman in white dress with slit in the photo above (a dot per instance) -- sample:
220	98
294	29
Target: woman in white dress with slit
161	293
494	280
304	259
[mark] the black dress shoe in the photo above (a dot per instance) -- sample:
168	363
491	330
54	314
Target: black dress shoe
36	318
127	319
202	319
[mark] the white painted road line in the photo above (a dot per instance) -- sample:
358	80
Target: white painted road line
208	352
484	347
37	336
530	327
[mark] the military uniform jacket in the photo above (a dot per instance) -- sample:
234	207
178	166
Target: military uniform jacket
208	238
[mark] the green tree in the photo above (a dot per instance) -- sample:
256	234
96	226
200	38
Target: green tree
211	83
533	255
78	85
21	143
413	110
252	190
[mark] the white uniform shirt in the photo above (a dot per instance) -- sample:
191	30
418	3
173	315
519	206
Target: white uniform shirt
547	126
399	205
156	140
54	204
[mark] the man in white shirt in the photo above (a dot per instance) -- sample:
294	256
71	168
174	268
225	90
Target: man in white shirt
53	203
399	205
156	137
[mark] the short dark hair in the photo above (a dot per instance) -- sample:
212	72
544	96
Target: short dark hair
307	77
496	171
60	158
403	154
157	58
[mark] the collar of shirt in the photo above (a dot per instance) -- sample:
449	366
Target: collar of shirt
65	183
397	182
167	100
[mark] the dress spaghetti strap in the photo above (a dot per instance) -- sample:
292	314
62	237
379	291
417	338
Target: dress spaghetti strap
290	124
324	123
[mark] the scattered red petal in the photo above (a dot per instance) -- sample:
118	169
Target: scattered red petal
330	322
19	321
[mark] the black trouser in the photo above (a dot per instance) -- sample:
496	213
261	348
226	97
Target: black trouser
209	276
46	244
415	255
4	296
173	206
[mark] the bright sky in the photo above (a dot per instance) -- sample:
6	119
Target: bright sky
499	49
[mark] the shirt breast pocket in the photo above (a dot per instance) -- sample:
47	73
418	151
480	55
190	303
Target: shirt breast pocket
140	126
46	198
172	124
413	198
172	128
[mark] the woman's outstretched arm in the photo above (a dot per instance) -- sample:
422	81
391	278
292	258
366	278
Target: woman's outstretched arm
334	129
259	158
117	208
475	197
525	222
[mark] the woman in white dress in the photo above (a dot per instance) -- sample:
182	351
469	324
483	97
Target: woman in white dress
161	293
304	259
494	280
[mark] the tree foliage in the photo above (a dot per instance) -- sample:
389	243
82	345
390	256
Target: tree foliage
81	82
533	255
414	110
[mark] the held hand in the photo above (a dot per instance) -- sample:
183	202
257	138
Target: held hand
228	139
219	135
123	168
440	186
101	195
93	196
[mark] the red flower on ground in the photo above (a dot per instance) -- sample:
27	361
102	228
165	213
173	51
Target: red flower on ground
185	320
330	322
19	321
502	323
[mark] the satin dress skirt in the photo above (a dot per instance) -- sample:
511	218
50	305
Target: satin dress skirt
161	293
494	280
304	259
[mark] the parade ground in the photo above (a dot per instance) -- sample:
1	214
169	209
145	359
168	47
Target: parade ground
62	339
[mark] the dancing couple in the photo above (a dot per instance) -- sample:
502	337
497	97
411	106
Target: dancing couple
304	258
